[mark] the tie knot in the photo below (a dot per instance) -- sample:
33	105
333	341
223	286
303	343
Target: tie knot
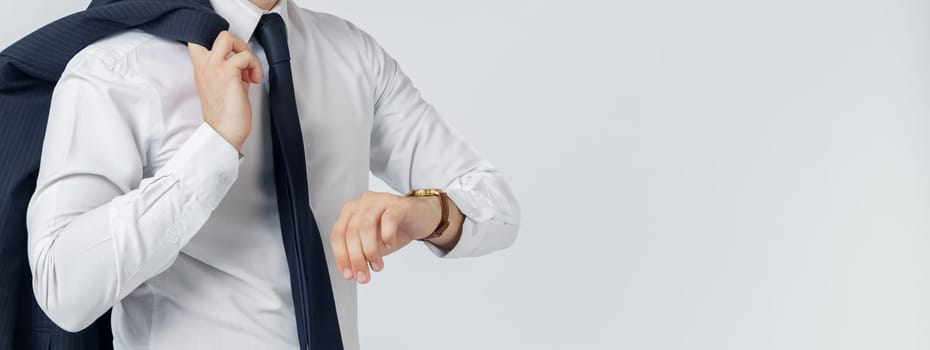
271	33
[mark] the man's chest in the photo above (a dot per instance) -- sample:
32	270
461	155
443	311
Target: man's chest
335	104
336	108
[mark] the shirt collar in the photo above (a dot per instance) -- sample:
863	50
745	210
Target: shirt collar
243	15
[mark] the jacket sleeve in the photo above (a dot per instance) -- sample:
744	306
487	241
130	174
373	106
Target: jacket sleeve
97	228
413	147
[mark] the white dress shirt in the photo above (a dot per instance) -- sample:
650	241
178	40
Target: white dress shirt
141	206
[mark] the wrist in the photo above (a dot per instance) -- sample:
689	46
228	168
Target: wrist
452	231
429	215
446	229
235	139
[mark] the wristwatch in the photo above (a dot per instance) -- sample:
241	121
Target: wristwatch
444	207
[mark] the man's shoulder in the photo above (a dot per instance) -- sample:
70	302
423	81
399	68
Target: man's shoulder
326	23
334	31
131	54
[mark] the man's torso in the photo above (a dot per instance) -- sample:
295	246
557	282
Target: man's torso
229	286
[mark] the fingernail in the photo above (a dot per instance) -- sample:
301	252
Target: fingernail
347	273
388	246
376	266
361	277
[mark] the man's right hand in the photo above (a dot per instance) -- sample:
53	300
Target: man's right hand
223	82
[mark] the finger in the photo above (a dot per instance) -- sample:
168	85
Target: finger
354	247
390	220
198	53
256	73
239	45
222	46
225	44
246	61
371	237
337	238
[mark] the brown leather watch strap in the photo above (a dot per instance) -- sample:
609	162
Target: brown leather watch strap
443	220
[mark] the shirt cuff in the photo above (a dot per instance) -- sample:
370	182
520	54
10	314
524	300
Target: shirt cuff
473	228
207	164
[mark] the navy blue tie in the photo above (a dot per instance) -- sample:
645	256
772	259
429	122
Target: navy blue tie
317	322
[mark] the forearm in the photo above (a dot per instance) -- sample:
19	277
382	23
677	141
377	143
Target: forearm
93	259
84	261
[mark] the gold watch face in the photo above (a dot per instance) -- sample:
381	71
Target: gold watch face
425	192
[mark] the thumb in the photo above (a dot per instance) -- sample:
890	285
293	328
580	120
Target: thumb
390	221
198	52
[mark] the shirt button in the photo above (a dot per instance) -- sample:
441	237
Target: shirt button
174	239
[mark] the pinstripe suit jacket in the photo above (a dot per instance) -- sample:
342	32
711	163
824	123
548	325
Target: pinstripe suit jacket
29	70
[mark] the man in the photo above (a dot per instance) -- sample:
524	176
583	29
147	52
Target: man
156	190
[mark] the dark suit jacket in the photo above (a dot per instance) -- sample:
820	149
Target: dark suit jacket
29	70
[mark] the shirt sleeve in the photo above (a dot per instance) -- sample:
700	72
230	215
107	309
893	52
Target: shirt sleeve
413	147
97	228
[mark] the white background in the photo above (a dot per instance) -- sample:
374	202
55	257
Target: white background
693	174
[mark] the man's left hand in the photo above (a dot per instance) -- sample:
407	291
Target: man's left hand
378	224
